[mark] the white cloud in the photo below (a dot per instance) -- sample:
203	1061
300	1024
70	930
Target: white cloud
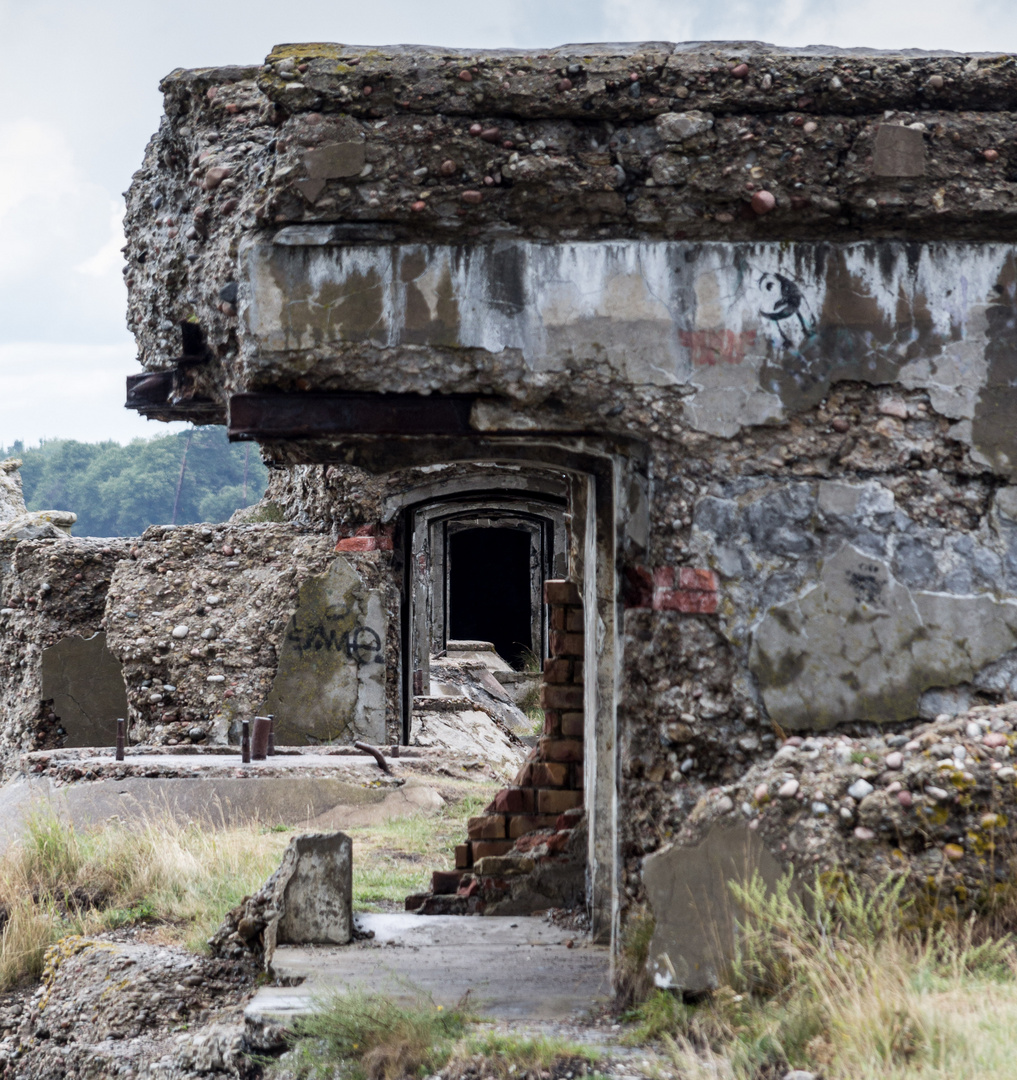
973	25
70	392
109	259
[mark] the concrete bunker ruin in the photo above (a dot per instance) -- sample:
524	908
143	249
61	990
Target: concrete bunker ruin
704	353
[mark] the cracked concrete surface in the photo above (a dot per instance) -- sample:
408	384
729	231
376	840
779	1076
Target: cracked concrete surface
859	645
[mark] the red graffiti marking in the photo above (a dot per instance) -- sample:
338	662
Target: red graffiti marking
711	347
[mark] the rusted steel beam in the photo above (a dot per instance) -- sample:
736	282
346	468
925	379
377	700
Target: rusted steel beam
310	415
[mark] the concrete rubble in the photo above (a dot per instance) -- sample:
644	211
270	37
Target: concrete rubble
307	901
932	802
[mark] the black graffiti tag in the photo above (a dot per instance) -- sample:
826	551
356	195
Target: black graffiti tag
364	645
336	632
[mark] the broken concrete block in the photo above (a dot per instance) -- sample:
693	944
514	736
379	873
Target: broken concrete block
314	892
86	683
307	901
695	913
330	683
12	502
39	525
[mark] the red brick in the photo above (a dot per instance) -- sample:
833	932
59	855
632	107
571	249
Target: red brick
360	543
560	696
560	750
578	777
557	800
552	723
486	827
574	622
464	857
558	671
483	848
663	577
521	824
559	618
513	800
413	902
559	842
570	818
445	882
579	671
524	778
572	725
549	774
557	591
698	580
470	889
532	840
687	601
566	644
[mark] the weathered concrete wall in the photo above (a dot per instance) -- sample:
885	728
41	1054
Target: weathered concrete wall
642	142
727	335
49	590
756	308
202	619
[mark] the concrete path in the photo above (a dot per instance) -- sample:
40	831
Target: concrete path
514	968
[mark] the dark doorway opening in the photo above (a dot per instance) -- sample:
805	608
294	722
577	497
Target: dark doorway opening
489	590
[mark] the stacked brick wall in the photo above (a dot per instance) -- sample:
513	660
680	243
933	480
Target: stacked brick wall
533	822
551	782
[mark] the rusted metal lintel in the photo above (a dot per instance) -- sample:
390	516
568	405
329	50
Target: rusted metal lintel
320	415
165	395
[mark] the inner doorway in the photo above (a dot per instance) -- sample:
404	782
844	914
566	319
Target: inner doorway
489	590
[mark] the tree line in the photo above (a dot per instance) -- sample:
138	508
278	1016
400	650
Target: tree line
177	479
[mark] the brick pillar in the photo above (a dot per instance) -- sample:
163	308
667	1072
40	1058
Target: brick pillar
551	781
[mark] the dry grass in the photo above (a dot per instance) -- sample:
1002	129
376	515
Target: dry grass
58	880
836	983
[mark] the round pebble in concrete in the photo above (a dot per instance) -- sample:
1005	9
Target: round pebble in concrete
763	202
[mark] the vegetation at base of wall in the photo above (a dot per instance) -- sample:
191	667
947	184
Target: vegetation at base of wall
185	477
393	859
834	979
359	1036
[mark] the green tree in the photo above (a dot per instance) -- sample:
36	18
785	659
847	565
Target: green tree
120	490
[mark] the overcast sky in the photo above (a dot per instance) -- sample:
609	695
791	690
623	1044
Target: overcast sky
79	84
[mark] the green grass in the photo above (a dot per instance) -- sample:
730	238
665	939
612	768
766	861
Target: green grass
395	858
835	979
369	1037
359	1036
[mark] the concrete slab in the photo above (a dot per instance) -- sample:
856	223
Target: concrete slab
514	968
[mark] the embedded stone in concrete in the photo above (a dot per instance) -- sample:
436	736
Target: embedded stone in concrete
898	151
86	684
859	645
330	683
313	893
696	916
